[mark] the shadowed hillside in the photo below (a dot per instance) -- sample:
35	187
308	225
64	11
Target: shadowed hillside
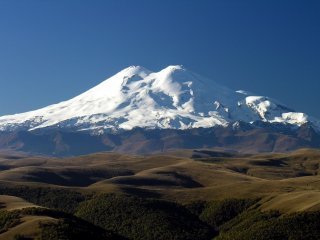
245	138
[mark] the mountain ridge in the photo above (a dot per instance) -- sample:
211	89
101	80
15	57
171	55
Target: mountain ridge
173	98
242	138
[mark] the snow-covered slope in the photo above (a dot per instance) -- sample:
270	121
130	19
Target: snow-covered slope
171	98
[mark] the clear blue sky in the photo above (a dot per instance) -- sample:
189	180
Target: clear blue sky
52	50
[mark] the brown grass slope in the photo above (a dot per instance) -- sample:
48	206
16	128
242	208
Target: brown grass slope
285	181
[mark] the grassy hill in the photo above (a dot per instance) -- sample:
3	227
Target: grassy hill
177	195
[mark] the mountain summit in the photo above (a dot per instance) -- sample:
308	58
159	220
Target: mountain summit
173	98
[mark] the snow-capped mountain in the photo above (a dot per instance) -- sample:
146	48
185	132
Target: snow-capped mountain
173	98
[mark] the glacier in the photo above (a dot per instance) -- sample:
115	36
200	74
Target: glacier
173	98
